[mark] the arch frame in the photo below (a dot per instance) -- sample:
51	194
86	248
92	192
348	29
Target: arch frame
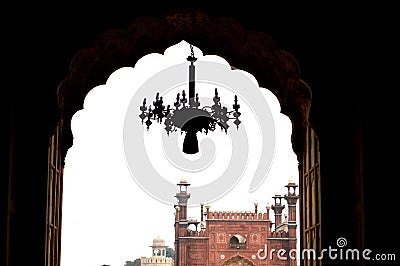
252	51
255	52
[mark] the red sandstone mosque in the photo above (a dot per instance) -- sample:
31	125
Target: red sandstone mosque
226	238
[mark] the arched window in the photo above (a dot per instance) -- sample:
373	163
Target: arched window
238	242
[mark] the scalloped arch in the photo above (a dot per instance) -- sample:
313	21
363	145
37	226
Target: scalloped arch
238	260
251	51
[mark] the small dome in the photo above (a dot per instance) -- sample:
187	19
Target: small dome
158	241
183	180
292	181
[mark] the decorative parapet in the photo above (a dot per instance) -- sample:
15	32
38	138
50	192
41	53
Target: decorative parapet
236	215
279	234
156	261
192	233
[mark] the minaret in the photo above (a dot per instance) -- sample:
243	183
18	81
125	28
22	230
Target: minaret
181	221
291	199
277	207
183	196
159	249
201	212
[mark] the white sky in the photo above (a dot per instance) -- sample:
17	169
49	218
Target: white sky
107	217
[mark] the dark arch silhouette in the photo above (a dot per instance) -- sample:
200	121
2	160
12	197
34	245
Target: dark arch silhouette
252	51
346	56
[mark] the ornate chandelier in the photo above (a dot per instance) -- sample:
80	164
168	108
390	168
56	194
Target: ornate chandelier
187	114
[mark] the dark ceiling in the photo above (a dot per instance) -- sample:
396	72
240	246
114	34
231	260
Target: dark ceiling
347	55
327	40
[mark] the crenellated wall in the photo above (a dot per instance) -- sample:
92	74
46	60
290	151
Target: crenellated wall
236	215
193	233
279	234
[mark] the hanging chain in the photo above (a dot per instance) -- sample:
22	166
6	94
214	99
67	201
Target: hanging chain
191	51
193	14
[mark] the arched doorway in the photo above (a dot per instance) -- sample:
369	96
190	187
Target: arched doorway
238	260
252	51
